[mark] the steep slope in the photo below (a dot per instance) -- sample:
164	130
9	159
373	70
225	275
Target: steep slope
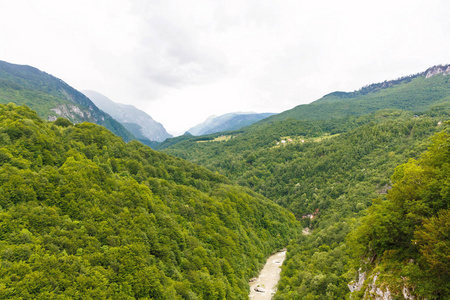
139	123
330	150
326	173
403	243
417	93
50	97
227	122
414	93
84	215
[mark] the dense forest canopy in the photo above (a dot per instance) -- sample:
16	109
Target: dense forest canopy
326	173
84	215
408	234
346	182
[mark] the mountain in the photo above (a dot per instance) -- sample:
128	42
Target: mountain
51	98
326	173
407	235
85	215
136	121
227	122
327	170
414	93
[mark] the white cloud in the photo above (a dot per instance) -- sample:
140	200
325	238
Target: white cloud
185	60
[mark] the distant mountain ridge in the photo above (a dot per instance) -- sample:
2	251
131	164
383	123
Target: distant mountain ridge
374	87
227	122
416	92
135	120
51	97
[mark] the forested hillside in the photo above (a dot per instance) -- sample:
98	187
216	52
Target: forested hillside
333	155
326	172
84	215
404	240
415	93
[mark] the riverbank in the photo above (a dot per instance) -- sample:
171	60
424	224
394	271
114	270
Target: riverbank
264	286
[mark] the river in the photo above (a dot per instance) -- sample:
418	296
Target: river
267	280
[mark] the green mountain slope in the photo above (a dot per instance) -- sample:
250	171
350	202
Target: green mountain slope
414	93
405	239
327	172
325	162
316	153
84	215
50	97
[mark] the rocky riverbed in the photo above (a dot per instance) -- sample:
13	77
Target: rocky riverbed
264	286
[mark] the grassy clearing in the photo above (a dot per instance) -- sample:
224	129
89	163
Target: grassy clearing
222	138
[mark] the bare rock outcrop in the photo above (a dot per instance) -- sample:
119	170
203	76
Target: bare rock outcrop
445	70
376	292
356	285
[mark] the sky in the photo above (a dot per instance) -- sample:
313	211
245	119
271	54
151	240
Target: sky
183	61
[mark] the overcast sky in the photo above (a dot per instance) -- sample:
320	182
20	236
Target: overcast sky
182	61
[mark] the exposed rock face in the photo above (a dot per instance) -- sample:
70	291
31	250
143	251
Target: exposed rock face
375	292
70	111
355	286
380	290
384	189
407	294
306	231
437	70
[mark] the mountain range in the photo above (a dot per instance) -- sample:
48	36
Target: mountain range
355	185
139	123
355	170
227	122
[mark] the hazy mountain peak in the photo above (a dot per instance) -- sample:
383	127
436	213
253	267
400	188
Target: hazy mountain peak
135	120
227	122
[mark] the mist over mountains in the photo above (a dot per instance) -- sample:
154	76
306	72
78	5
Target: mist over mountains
135	120
227	122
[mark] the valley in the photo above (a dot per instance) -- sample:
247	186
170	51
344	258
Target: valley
352	183
337	167
79	205
264	286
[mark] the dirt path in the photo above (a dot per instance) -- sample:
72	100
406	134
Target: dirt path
268	278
